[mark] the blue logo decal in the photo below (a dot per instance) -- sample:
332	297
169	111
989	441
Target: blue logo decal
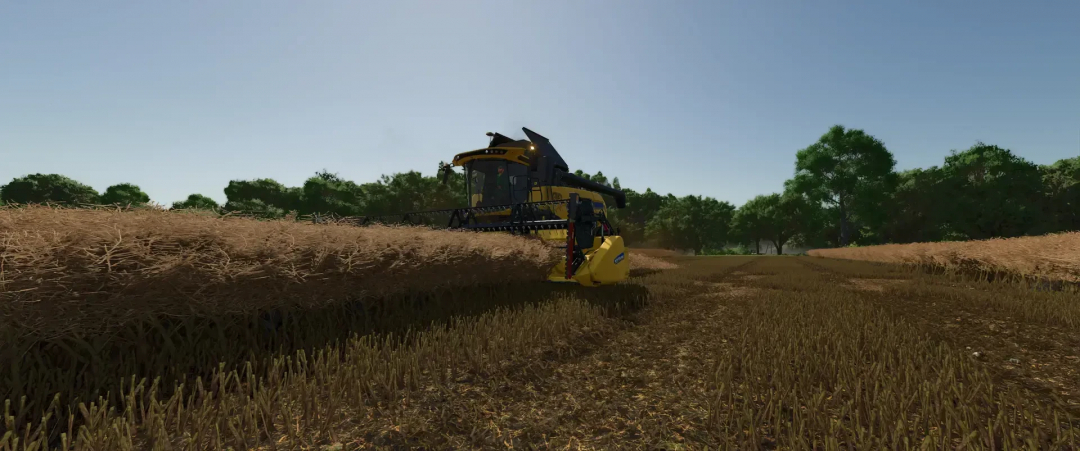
598	205
618	258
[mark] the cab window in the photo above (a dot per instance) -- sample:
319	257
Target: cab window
496	182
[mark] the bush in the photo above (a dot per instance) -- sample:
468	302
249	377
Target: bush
255	207
196	202
47	188
124	194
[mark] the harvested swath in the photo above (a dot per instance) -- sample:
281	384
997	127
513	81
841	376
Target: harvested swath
659	253
1054	257
64	270
643	261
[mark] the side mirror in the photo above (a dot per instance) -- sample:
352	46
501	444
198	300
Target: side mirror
445	171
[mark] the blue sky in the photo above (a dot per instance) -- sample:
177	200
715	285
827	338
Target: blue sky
708	98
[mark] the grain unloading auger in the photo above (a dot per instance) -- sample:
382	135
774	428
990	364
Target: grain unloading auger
524	187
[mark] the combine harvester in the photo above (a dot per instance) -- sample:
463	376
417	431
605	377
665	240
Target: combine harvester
524	187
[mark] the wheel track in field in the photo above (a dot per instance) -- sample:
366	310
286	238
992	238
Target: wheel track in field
641	385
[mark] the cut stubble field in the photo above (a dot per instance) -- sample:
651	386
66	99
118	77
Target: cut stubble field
785	353
690	353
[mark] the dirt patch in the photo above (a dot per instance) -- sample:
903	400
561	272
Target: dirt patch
878	285
747	276
725	290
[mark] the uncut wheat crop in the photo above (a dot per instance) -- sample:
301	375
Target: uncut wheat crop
1051	257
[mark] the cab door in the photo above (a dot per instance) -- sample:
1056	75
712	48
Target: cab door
519	182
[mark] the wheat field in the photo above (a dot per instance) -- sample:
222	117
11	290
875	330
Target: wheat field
690	353
86	270
1049	257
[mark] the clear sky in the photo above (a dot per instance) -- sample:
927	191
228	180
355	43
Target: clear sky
711	97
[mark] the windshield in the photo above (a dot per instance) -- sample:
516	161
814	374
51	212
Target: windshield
496	182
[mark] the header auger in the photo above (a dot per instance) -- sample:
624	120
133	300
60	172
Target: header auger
525	187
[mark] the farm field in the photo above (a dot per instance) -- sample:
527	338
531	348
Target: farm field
692	352
789	353
351	226
1052	259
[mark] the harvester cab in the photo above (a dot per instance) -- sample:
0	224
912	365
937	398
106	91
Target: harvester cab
526	186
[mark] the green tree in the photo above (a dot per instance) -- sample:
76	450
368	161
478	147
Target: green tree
849	170
328	193
692	222
412	191
918	212
257	208
124	194
788	216
42	188
240	195
990	192
329	176
779	218
196	202
1061	182
640	209
748	223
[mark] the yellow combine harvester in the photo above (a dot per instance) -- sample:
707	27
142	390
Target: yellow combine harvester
531	175
525	187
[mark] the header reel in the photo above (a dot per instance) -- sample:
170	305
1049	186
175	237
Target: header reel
583	224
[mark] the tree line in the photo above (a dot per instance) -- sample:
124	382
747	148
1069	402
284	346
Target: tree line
845	190
323	193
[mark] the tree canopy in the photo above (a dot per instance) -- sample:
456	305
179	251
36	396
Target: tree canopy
261	197
640	209
691	222
327	193
990	192
124	194
748	223
42	188
1061	185
196	202
849	170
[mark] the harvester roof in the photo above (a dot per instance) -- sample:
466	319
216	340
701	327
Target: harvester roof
536	148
